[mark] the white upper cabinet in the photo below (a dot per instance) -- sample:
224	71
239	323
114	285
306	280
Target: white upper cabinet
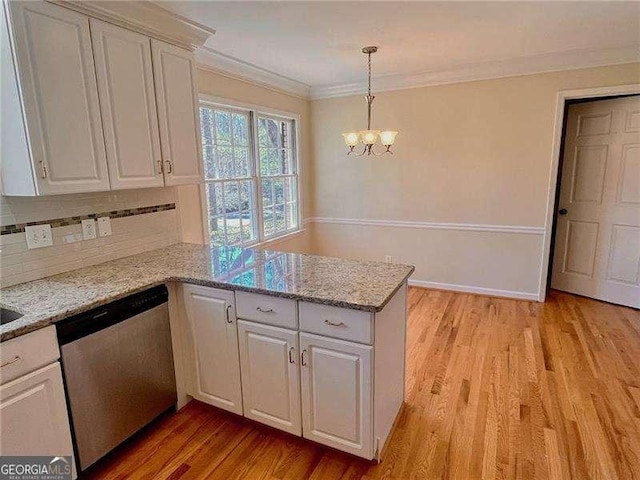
88	106
176	93
128	105
56	74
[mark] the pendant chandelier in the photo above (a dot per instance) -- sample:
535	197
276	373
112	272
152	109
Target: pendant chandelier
369	137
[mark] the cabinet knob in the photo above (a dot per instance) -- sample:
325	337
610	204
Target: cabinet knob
169	167
302	360
264	310
229	319
563	211
160	167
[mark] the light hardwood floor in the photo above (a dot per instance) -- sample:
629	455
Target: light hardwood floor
496	388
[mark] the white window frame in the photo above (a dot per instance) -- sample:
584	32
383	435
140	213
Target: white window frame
254	111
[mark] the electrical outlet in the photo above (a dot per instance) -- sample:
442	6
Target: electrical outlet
388	259
89	229
39	236
104	226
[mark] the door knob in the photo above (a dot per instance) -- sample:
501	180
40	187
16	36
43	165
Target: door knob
563	211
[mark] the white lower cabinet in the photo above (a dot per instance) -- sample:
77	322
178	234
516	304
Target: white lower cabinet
270	376
212	323
327	388
34	415
337	393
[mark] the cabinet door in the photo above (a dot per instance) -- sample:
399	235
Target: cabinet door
176	93
33	414
128	106
336	393
270	376
57	76
212	321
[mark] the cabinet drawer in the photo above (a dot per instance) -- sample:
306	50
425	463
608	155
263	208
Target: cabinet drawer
282	312
353	325
27	353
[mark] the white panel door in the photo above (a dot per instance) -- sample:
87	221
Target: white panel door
212	321
270	376
57	75
336	393
177	97
128	105
597	247
33	415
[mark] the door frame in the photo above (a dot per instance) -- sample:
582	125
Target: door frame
563	97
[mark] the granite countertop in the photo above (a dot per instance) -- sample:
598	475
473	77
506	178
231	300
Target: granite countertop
352	284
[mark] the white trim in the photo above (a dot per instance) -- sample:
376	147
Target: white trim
552	62
526	230
562	97
217	62
147	17
476	290
276	240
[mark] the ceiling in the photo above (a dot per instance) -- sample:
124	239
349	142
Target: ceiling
319	43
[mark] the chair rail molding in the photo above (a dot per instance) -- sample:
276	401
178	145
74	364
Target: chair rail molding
475	227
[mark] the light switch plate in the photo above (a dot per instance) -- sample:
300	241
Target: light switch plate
104	226
39	236
89	229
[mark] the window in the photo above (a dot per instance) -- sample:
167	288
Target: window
251	175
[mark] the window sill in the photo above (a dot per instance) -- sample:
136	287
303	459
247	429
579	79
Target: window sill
276	240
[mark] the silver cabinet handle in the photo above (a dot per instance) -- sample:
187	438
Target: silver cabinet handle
9	362
334	324
169	166
229	319
160	167
302	362
291	360
264	310
43	172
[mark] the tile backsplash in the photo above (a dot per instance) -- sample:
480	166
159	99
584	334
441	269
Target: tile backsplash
135	228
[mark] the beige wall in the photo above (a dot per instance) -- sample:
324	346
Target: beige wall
476	153
217	85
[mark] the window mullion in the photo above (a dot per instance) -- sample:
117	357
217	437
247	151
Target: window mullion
255	149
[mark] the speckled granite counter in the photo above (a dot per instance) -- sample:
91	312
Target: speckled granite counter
345	283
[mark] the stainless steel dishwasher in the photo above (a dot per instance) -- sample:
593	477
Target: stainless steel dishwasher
118	369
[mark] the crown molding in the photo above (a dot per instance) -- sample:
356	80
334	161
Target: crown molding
214	61
146	17
552	62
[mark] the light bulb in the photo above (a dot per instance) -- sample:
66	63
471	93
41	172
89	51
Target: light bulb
387	137
369	137
351	138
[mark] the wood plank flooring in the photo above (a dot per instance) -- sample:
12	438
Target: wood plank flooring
496	388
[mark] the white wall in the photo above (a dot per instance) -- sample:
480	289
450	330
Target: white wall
464	195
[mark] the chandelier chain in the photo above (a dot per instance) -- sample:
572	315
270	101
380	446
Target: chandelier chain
369	90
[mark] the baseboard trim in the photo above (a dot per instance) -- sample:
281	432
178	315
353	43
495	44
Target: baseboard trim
474	227
493	292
